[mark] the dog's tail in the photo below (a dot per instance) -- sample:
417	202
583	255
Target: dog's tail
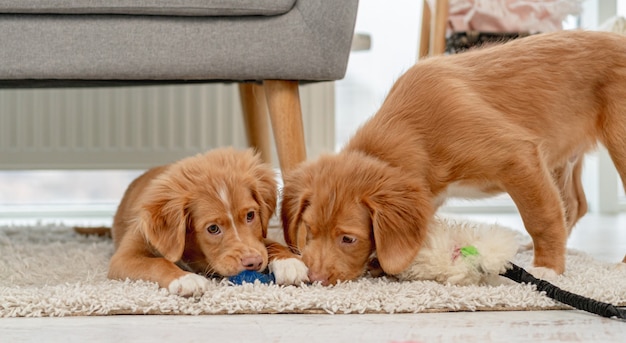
103	231
518	274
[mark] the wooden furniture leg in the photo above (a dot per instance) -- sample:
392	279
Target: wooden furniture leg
283	100
255	118
425	32
438	41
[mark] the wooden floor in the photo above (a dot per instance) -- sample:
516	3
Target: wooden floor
602	236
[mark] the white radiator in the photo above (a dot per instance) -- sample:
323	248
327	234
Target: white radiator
137	127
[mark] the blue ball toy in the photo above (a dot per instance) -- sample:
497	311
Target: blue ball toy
250	276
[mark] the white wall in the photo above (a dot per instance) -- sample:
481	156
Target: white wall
394	30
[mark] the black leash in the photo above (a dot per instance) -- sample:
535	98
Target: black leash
518	274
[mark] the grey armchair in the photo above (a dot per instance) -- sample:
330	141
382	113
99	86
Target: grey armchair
269	46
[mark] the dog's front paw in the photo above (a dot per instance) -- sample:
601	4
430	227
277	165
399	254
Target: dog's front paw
188	285
543	273
289	271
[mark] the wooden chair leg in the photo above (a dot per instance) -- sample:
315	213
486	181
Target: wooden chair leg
255	118
438	40
425	32
283	100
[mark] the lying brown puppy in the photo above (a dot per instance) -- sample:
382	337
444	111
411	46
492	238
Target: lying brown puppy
206	214
513	118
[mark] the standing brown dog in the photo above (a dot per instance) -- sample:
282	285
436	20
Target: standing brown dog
205	214
513	118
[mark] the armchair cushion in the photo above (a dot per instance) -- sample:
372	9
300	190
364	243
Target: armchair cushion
150	7
309	42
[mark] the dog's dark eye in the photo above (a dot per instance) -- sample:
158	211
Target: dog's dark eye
348	240
250	216
213	229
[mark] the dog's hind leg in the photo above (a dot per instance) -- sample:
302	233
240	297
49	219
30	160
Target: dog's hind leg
612	122
613	126
577	185
568	179
531	185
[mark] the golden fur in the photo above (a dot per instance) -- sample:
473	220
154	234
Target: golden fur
205	214
513	118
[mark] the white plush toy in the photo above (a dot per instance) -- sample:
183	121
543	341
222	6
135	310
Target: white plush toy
464	253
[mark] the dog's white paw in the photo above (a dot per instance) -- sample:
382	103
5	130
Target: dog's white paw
543	273
289	271
188	285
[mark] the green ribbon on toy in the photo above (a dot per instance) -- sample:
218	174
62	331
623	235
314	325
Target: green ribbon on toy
466	251
469	250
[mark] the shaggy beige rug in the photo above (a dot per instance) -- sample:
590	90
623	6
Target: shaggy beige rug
53	271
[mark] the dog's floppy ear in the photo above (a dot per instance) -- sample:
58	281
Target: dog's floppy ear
163	218
296	194
265	192
400	214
